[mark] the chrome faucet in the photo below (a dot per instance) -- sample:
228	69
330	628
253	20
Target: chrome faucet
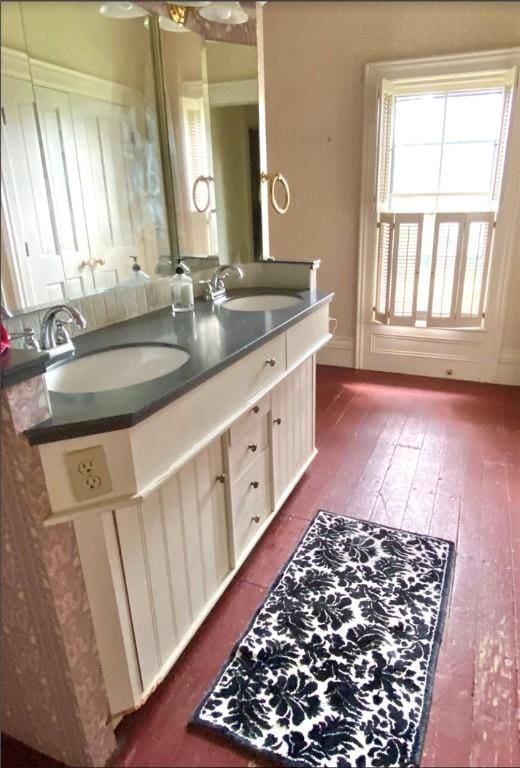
215	290
27	334
54	335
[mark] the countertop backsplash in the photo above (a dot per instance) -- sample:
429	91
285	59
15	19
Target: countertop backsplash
127	301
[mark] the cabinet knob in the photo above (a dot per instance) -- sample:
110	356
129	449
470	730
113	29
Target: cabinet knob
252	447
271	361
254	484
221	478
255	408
277	421
255	519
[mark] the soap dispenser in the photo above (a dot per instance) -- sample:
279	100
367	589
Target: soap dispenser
181	286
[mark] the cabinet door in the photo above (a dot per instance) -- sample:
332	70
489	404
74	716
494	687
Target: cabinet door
174	549
292	413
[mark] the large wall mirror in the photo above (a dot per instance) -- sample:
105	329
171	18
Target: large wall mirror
98	188
82	185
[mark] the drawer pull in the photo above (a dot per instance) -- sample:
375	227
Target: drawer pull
271	361
252	447
221	478
255	519
277	421
255	408
254	484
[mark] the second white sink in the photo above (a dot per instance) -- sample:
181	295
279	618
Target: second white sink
262	302
115	368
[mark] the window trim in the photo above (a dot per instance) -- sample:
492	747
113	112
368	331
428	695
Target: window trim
437	67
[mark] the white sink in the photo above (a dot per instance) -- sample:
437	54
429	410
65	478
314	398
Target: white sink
263	302
115	368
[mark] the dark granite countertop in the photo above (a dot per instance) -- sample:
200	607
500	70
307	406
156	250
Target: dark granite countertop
214	336
17	365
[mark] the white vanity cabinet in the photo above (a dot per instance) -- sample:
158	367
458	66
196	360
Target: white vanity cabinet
159	552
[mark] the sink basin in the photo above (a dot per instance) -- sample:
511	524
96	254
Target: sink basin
115	368
263	302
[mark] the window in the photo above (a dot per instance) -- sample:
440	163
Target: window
441	155
195	152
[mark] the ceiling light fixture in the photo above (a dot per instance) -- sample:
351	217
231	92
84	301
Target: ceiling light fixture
168	25
118	10
224	13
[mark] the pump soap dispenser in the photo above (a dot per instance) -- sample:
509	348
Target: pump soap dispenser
181	286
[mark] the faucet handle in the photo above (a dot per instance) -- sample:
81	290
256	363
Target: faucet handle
29	341
62	334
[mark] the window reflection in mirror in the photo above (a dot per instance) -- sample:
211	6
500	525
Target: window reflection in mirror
233	96
212	94
82	184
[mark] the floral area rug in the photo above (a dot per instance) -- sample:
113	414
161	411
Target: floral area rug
337	665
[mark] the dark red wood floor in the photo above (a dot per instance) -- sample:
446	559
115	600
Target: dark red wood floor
432	456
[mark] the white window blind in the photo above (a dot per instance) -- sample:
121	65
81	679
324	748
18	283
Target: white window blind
399	247
460	264
442	144
195	148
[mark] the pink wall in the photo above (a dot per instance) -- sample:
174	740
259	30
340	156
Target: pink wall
53	696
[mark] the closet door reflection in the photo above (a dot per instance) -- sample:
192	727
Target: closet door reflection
61	165
109	165
41	173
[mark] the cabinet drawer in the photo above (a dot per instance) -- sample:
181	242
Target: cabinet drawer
255	415
304	337
263	366
247	445
251	501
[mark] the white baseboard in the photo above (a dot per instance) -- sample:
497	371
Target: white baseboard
339	351
508	369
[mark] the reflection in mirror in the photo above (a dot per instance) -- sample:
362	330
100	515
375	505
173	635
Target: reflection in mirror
233	96
82	188
186	92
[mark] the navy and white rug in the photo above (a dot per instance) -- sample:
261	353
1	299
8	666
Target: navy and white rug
336	667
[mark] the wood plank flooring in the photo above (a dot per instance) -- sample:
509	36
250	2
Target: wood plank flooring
432	456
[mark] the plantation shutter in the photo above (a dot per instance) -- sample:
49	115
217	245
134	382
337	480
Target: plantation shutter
406	253
476	249
384	263
446	260
461	250
398	253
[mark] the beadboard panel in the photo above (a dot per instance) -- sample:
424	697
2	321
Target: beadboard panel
175	555
293	439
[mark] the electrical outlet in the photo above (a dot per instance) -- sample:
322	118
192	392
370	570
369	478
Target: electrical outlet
88	472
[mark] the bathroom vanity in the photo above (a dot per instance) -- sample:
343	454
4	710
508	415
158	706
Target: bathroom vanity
170	483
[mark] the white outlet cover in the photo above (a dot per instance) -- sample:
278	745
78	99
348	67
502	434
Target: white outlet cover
88	472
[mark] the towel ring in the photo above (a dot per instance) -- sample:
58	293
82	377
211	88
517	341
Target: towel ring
204	180
274	179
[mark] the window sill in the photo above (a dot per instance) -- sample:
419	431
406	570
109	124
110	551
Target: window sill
422	329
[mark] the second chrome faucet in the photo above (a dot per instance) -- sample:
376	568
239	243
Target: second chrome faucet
214	289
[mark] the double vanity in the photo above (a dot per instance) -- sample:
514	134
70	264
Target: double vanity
172	442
